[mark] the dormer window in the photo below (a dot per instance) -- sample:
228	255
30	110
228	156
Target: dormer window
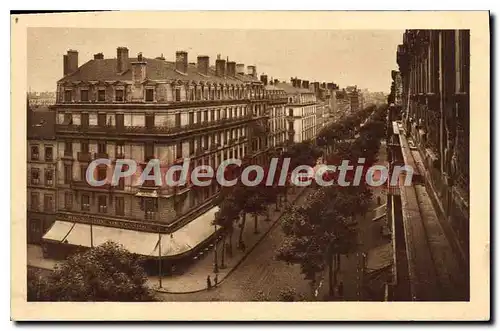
84	95
67	96
150	95
101	95
119	95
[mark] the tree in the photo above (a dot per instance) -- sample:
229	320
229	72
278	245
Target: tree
104	273
229	210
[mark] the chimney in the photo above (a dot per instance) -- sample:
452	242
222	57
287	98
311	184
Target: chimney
276	81
70	62
181	61
220	67
252	71
161	57
293	81
240	68
323	85
231	69
203	63
305	84
316	86
139	69
263	79
298	83
122	59
98	56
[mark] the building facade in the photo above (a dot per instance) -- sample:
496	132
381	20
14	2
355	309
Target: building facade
142	109
429	131
276	106
300	110
41	173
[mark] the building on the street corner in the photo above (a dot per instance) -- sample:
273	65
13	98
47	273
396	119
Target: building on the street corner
300	110
41	172
429	131
355	98
148	108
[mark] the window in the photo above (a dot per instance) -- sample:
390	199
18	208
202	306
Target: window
67	174
67	96
48	154
35	176
101	148
191	147
35	202
149	208
49	177
68	200
119	206
68	148
177	94
84	146
120	151
150	93
84	95
191	118
101	95
83	172
103	208
119	95
102	172
149	151
34	153
47	202
179	150
101	119
85	202
290	112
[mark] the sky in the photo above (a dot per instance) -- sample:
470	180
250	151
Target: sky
347	57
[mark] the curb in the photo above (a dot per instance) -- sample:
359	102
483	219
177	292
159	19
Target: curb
242	258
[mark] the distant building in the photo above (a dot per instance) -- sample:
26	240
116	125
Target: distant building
276	108
37	99
300	110
41	172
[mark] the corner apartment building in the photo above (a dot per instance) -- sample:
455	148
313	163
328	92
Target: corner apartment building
429	121
300	110
149	108
41	172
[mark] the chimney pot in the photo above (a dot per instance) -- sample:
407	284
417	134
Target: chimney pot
240	68
181	61
231	69
70	62
252	71
263	79
122	59
276	81
220	67
203	63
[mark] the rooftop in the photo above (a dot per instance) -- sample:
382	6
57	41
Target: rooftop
288	88
156	69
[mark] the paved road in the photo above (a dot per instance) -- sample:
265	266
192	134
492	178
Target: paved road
258	272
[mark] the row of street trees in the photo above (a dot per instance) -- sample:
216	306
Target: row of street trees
320	230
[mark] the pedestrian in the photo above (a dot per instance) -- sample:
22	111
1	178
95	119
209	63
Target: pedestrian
216	279
209	283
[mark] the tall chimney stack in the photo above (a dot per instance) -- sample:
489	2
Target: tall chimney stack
263	79
220	67
122	59
298	83
203	63
252	71
231	69
98	56
240	68
181	61
70	64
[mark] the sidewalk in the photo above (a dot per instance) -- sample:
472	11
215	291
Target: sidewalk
194	279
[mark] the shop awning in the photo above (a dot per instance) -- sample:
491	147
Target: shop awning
189	236
142	243
58	231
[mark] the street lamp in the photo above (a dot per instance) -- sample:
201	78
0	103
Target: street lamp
216	267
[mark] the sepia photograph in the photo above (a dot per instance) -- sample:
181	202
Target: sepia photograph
319	165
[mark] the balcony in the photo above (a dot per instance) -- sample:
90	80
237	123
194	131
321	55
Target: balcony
84	157
71	128
83	184
101	155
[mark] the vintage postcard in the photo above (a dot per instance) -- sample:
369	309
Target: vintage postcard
234	166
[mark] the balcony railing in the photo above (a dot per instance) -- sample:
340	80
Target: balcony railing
84	157
101	155
155	129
